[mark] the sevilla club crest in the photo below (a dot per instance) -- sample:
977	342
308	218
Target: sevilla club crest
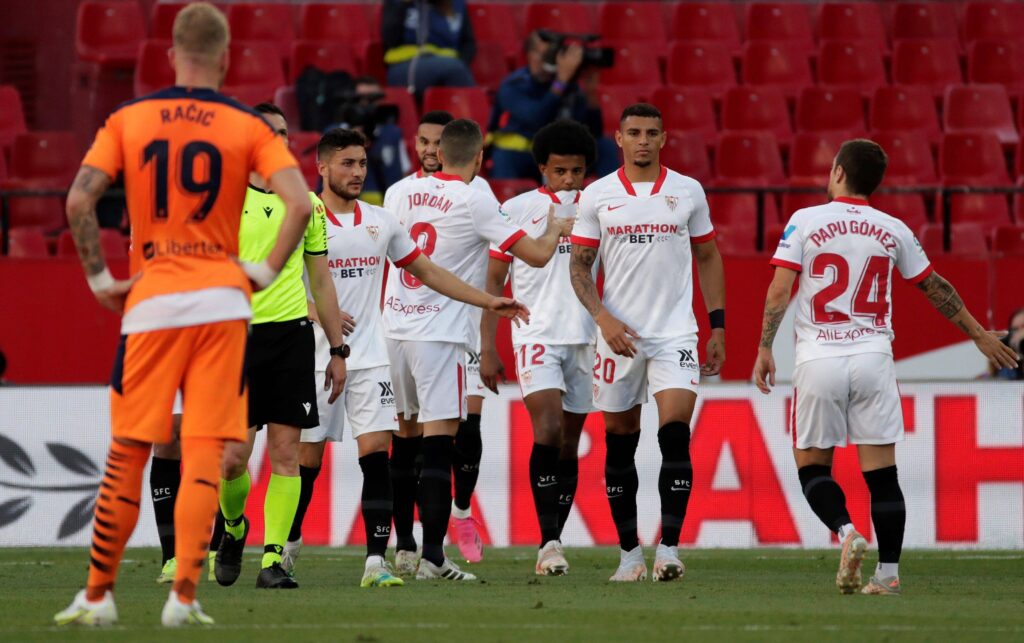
373	231
671	202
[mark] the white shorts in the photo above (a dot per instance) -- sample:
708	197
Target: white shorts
474	385
620	383
429	379
368	400
566	367
852	399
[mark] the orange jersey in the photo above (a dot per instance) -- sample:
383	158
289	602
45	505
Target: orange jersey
186	155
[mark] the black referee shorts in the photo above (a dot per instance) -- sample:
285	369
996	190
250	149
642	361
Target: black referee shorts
281	372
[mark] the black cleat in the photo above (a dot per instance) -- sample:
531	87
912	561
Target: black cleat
227	566
274	577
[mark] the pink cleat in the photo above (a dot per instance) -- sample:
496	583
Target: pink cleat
468	538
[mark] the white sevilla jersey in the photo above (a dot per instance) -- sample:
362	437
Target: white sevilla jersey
452	223
644	232
358	244
556	315
478	182
844	252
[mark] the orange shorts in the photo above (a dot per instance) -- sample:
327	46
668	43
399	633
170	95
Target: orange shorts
207	363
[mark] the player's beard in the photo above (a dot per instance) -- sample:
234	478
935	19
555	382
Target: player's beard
642	162
429	164
343	190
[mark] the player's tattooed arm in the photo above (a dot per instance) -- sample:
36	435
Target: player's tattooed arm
582	277
775	305
86	190
947	301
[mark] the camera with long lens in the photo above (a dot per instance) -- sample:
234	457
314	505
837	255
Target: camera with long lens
365	112
593	55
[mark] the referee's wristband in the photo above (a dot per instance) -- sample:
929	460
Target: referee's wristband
717	318
100	281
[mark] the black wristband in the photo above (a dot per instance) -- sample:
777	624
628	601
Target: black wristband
717	318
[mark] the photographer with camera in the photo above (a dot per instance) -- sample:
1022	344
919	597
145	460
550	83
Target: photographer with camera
545	90
1015	340
427	43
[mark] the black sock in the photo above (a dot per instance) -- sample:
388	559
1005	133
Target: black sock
568	476
218	531
824	495
308	476
435	495
164	480
404	480
888	512
376	502
544	483
621	485
674	480
466	459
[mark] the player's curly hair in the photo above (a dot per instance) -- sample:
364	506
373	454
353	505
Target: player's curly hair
338	139
564	137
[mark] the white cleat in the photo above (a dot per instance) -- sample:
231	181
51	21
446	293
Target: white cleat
176	613
551	560
406	562
290	555
632	567
447	571
91	613
667	565
848	578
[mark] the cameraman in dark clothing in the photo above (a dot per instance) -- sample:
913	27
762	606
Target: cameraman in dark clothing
427	43
545	90
1015	340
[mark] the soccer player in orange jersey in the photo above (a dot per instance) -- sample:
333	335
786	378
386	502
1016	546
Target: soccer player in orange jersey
185	154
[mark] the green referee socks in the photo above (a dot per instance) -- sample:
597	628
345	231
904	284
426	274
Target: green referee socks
278	513
233	494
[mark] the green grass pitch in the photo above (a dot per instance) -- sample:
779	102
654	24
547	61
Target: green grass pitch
727	595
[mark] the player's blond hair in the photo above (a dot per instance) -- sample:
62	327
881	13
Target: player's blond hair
201	32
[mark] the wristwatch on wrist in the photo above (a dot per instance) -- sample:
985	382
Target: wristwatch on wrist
342	351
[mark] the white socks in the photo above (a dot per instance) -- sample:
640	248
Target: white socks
374	561
845	530
461	514
887	570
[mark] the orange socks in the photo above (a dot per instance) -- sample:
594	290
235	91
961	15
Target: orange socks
195	510
117	511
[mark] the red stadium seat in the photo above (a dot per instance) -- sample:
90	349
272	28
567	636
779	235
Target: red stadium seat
112	242
988	210
997	61
704	65
566	17
490	65
776	65
924	20
745	159
42	161
974	107
972	158
966	239
462	102
687	110
615	99
633	22
798	200
505	189
827	108
153	71
109	33
635	64
335	22
811	156
907	207
325	56
757	108
1008	240
735	240
27	243
904	109
254	74
706	22
851	63
852	21
161	19
372	61
303	148
284	97
497	23
408	115
993	20
687	153
910	158
929	63
12	116
268	23
780	22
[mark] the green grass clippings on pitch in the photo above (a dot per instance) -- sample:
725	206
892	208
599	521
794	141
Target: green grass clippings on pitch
727	595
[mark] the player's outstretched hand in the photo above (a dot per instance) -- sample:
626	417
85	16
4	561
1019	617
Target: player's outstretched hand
112	298
491	369
334	378
764	370
510	309
716	353
998	352
564	225
617	335
348	323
